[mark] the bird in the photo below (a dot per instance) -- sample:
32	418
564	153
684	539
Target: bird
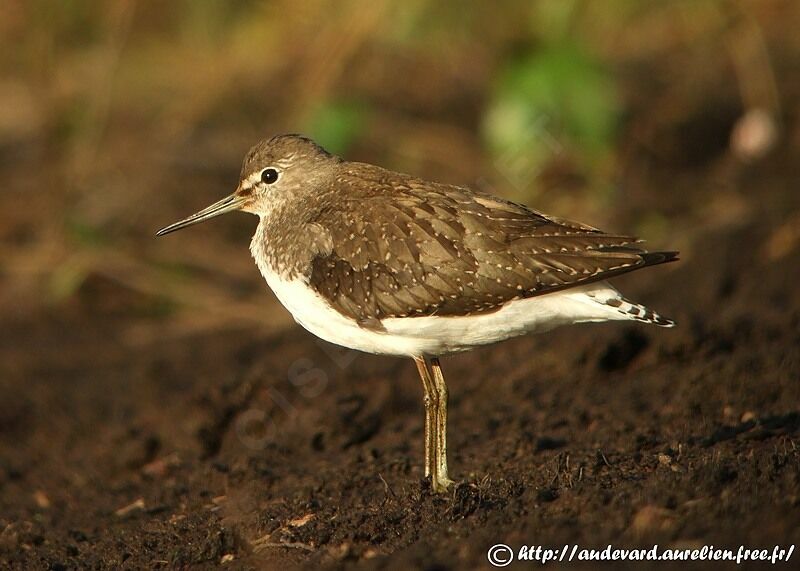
391	264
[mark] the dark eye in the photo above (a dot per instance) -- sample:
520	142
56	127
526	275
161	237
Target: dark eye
268	176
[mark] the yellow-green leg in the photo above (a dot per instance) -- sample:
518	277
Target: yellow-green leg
435	399
429	400
440	479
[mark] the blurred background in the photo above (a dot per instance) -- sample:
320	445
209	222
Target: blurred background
118	117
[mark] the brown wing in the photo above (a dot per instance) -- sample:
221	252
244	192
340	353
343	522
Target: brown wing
411	248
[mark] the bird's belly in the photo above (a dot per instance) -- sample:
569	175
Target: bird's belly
434	335
533	315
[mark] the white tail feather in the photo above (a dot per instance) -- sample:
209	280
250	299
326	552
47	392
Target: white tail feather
608	296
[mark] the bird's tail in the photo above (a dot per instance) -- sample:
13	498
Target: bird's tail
639	312
655	258
608	296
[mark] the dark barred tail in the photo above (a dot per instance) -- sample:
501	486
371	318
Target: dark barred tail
641	313
622	308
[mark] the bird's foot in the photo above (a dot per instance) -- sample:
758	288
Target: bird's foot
440	483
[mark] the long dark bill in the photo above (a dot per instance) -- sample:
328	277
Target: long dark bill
227	204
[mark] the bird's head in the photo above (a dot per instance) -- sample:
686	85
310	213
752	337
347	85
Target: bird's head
273	168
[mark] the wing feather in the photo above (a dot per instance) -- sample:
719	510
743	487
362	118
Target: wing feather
412	248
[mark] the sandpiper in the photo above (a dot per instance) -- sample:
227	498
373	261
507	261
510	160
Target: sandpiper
391	264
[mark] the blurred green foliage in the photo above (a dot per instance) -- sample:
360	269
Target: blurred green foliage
552	100
65	279
84	234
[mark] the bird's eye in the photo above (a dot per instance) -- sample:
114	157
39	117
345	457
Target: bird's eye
269	175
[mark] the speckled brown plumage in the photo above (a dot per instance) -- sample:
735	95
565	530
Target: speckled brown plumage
378	244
